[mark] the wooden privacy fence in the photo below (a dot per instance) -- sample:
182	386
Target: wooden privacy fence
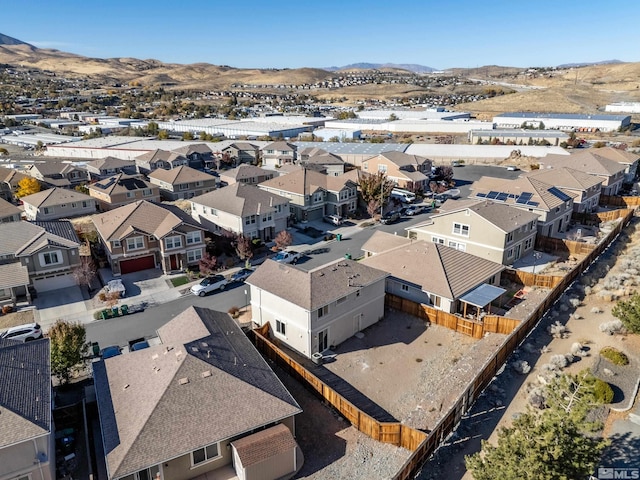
615	201
453	416
472	328
531	279
394	433
563	247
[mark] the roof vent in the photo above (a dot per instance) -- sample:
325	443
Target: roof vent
204	344
126	385
183	381
206	374
194	348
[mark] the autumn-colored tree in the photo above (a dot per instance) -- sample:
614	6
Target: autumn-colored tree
208	264
243	248
27	186
373	207
283	240
375	187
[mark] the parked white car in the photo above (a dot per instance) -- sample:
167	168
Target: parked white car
23	333
209	284
288	256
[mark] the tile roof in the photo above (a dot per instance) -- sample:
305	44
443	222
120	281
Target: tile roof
205	383
402	159
110	162
121	183
25	396
617	155
201	148
435	268
243	146
181	174
307	181
13	275
142	217
55	196
505	217
280	147
245	171
381	242
325	159
589	161
266	444
26	238
565	177
316	288
7	209
11	176
159	154
241	200
540	191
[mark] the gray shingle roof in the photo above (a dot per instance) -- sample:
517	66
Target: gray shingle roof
205	383
381	242
13	275
589	161
241	200
7	209
540	191
55	196
316	288
25	238
60	228
245	171
435	268
181	174
565	177
263	445
25	396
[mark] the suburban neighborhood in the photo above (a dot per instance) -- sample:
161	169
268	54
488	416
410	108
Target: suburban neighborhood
375	290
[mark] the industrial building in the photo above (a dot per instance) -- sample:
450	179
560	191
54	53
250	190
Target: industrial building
413	114
235	129
519	137
623	107
33	140
409	125
563	121
328	133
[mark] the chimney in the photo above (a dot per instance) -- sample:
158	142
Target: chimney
259	206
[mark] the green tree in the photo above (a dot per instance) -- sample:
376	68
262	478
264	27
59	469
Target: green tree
82	189
187	136
27	186
68	348
152	128
163	135
628	311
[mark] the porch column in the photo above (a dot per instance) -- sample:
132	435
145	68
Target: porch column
26	288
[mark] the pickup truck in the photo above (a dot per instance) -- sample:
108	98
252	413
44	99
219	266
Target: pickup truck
288	256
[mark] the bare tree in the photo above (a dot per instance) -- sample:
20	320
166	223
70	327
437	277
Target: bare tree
373	207
244	249
283	240
85	272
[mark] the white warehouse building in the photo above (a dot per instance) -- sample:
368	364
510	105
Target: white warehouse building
623	107
563	121
410	125
235	129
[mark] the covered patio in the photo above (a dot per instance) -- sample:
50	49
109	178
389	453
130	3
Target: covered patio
480	298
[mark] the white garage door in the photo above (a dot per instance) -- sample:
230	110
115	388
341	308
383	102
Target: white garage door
54	283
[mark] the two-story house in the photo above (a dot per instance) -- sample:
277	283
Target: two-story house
9	179
313	194
483	228
625	158
248	174
410	172
182	182
150	161
9	212
203	403
145	235
319	159
57	203
243	209
311	311
27	445
198	154
553	205
42	254
110	166
276	154
440	276
584	187
242	152
56	173
611	172
121	189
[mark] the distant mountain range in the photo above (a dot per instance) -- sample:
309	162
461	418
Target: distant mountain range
412	67
587	64
7	40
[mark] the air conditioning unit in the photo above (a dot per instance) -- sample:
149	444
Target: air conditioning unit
317	358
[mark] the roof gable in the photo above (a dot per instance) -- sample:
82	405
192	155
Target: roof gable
55	196
240	200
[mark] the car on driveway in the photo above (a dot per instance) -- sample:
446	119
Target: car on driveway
209	284
116	285
241	275
390	217
23	333
333	220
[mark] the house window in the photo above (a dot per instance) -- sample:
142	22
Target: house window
317	197
173	242
194	237
437	240
250	220
184	186
74	205
365	166
568	205
461	229
509	237
135	243
194	255
435	300
510	253
50	258
47	210
84	204
341	300
281	327
131	194
557	209
64	205
527	243
205	454
323	311
405	288
382	168
146	192
458	246
115	244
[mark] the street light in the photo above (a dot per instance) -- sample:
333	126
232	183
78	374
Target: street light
536	257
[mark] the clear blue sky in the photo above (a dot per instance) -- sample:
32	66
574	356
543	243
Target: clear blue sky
281	34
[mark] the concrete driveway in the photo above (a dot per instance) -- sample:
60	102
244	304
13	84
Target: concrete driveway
143	283
66	304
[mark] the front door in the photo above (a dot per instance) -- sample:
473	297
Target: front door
357	321
174	262
323	340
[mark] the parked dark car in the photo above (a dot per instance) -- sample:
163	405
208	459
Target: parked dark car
390	217
415	210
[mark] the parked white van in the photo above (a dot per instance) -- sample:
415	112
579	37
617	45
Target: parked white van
405	196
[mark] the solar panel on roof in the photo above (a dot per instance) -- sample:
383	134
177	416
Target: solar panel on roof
524	197
483	195
533	204
559	193
492	194
502	197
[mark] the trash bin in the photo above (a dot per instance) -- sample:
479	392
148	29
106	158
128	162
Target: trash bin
95	349
105	314
339	237
115	311
316	358
347	256
124	309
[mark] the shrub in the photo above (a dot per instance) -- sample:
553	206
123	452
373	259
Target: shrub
7	309
234	312
102	296
602	391
612	327
615	356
